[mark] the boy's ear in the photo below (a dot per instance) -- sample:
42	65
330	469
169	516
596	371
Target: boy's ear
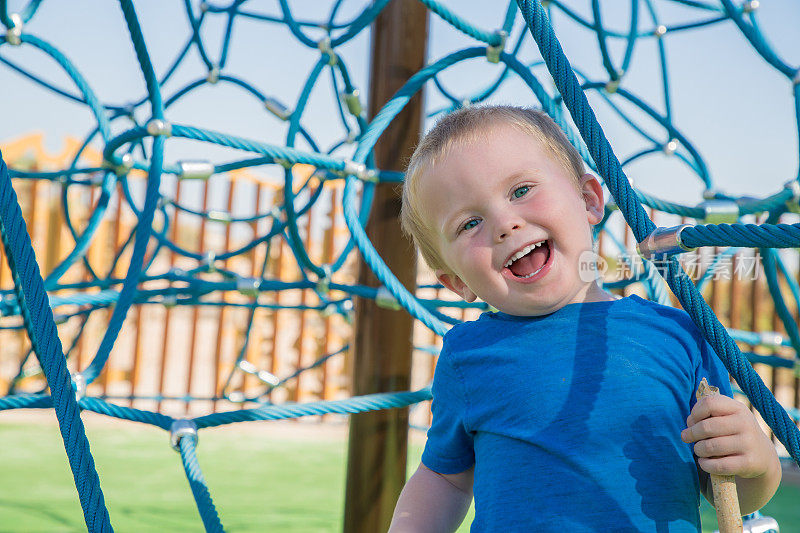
592	193
455	284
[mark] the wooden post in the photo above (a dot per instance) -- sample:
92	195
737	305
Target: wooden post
376	462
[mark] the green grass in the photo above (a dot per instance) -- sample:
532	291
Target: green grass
260	481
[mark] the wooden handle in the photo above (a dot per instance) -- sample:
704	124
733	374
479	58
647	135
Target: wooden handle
729	517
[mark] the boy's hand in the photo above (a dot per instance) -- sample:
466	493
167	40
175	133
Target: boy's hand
728	439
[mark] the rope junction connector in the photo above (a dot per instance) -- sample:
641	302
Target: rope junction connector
793	204
613	85
123	167
157	127
660	31
169	301
670	147
248	286
493	52
179	429
750	6
80	385
324	282
329	310
236	397
385	299
662	242
771	339
195	170
213	75
276	213
277	108
796	79
360	171
203	6
220	216
353	102
266	377
176	273
285	163
14	33
324	46
209	259
720	211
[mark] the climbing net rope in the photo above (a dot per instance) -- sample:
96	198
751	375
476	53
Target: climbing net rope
134	136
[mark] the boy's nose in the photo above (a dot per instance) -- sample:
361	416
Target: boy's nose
507	229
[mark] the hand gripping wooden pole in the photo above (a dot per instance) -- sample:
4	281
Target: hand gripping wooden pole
729	517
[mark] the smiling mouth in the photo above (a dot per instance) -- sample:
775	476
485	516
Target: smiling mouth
530	260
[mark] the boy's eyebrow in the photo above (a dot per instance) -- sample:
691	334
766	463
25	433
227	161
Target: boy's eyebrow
534	172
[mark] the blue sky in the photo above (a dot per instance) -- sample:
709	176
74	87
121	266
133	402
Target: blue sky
737	110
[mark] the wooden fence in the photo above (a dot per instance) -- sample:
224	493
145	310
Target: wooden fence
185	359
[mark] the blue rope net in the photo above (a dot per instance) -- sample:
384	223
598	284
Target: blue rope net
134	136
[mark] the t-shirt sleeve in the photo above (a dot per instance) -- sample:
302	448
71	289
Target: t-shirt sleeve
449	447
712	369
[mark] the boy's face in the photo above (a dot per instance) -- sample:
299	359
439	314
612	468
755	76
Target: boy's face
510	223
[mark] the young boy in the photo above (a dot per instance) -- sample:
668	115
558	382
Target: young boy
568	409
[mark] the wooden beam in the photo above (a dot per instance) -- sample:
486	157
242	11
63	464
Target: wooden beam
376	462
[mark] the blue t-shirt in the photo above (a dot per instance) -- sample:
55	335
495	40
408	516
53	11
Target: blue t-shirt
573	419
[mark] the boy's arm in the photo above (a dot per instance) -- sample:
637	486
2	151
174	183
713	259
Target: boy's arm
432	502
729	441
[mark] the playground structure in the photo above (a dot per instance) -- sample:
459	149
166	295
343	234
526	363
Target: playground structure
132	138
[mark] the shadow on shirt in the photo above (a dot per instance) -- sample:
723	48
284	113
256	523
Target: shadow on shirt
646	449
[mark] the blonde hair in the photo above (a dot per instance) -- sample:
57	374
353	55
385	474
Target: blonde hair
464	126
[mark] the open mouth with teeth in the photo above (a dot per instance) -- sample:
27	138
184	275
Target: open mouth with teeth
530	260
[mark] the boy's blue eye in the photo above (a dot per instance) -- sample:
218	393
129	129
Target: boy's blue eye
519	192
470	224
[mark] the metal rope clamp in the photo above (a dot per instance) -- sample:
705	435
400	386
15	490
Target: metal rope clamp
771	339
213	75
262	375
324	281
324	46
80	386
493	52
157	127
613	84
720	211
277	108
219	216
123	168
208	260
179	429
750	6
384	298
248	286
14	33
793	204
169	301
195	170
663	242
360	171
353	102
